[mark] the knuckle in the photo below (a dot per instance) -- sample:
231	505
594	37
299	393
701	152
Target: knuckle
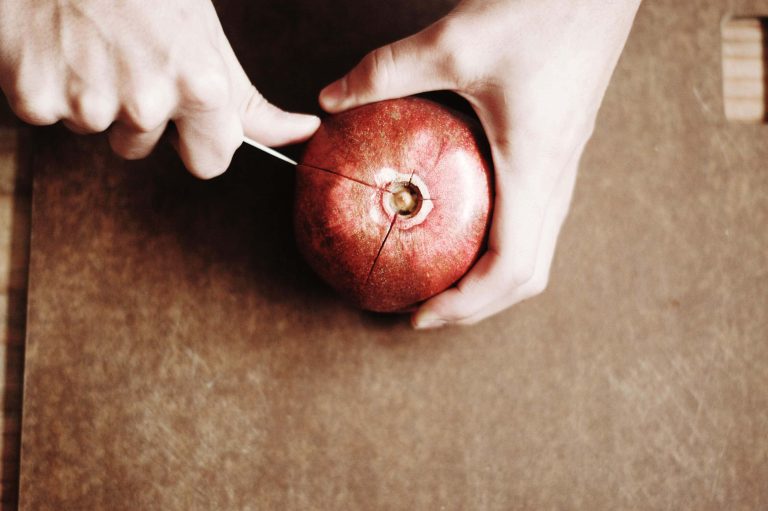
377	68
205	91
34	109
207	150
207	170
454	63
451	50
520	274
92	115
537	285
143	113
215	161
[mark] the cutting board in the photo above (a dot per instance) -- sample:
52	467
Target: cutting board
181	355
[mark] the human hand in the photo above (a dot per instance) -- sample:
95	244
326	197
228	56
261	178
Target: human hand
130	67
535	72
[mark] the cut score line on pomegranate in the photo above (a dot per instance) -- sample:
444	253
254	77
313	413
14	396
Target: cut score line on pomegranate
365	216
386	189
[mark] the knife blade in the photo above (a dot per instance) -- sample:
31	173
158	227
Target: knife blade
268	150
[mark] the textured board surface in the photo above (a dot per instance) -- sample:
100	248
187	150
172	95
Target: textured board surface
15	187
181	356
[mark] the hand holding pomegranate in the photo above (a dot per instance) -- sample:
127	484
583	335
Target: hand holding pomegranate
131	67
535	72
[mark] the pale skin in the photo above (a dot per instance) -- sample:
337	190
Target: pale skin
535	71
127	68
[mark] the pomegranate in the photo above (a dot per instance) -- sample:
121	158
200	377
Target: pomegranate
393	201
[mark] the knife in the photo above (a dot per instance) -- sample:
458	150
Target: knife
268	150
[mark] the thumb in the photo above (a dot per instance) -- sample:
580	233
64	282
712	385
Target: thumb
261	120
409	66
272	126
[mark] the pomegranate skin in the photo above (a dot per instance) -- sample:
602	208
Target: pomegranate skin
393	201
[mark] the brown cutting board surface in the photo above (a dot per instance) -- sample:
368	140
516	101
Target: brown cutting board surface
181	355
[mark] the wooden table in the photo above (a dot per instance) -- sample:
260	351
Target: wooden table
14	228
15	189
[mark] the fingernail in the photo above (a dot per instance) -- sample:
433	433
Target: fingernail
333	94
428	321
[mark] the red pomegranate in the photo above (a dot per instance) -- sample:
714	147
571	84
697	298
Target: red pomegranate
393	201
